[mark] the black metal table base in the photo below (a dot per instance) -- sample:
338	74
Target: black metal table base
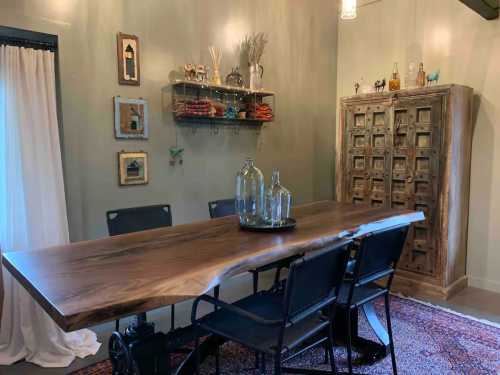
142	351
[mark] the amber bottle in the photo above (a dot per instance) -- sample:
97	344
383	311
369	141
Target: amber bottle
395	81
421	76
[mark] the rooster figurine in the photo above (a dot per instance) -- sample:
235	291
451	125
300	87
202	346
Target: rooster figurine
433	77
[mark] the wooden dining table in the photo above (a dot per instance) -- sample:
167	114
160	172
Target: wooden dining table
86	283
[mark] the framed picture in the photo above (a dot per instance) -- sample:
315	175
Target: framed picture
131	118
133	168
129	72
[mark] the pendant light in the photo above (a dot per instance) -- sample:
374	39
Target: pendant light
348	10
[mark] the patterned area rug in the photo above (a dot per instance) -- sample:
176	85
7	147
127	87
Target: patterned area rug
428	341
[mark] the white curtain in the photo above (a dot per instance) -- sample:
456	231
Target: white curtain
32	205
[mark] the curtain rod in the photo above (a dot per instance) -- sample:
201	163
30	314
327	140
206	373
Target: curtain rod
19	42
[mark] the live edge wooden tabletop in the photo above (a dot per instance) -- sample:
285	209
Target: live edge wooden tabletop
86	283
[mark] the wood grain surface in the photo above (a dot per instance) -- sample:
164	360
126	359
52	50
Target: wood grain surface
86	283
434	261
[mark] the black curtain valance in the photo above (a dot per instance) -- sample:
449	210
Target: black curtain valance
26	38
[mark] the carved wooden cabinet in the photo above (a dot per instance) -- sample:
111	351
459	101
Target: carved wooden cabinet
411	148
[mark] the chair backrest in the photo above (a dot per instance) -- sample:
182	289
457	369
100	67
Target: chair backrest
314	280
379	253
220	208
128	220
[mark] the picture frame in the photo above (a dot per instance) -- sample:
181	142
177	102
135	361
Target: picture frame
129	69
133	168
131	118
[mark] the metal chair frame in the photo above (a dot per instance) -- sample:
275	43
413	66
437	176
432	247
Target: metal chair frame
361	279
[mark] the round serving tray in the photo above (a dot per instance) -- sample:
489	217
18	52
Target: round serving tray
289	224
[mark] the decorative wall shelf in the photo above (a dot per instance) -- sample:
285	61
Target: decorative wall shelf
201	102
225	88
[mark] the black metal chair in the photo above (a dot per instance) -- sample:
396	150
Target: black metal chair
225	207
375	260
277	321
135	219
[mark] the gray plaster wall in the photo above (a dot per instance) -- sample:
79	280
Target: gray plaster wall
300	66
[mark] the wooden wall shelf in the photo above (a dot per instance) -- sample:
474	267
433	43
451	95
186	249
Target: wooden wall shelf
201	102
219	120
222	88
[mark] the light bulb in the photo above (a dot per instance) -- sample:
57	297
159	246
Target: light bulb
348	10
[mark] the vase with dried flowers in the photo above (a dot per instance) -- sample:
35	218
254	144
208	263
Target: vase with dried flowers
216	55
253	47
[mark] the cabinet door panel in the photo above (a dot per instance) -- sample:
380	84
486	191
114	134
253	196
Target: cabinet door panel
367	136
417	141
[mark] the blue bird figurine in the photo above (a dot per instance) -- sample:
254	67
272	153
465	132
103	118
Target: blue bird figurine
433	77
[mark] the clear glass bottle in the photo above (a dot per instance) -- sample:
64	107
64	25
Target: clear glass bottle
250	193
411	76
395	81
278	201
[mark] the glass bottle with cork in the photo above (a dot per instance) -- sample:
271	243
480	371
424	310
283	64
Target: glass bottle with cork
395	81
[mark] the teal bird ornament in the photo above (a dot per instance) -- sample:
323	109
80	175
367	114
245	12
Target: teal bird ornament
433	77
176	154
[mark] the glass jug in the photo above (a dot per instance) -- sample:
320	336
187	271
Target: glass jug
249	194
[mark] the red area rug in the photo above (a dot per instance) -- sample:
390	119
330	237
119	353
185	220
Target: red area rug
428	341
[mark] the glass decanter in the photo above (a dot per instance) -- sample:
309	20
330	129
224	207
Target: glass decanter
278	201
249	194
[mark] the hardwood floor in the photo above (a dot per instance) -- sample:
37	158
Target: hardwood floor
475	302
478	303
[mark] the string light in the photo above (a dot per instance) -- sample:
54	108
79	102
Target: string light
348	10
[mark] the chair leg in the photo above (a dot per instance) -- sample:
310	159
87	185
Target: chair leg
255	278
389	331
349	342
217	351
263	364
172	317
277	275
169	364
217	292
325	348
117	325
277	365
331	342
217	360
255	282
197	353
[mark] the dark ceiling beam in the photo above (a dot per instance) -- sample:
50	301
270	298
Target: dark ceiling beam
486	8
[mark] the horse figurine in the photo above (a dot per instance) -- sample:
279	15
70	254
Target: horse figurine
190	72
433	77
202	73
379	85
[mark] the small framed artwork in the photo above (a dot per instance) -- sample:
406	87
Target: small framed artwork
129	72
131	118
133	168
